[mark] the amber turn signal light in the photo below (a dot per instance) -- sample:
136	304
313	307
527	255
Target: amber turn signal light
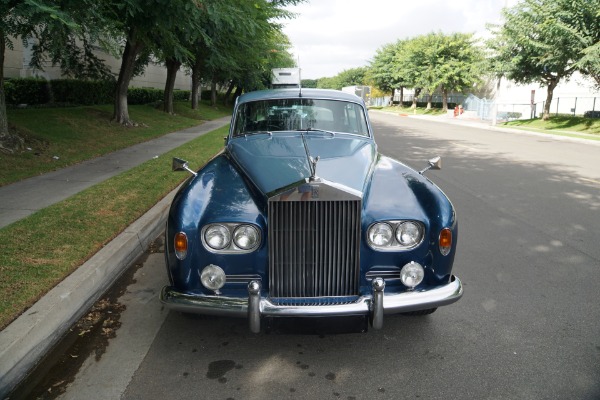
181	245
445	241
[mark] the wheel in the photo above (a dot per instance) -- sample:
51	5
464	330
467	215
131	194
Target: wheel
420	312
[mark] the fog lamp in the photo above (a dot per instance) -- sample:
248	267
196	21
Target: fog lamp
412	274
213	277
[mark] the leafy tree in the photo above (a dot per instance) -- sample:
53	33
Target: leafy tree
545	41
582	22
352	77
384	71
329	83
309	83
141	24
458	64
25	19
413	64
241	44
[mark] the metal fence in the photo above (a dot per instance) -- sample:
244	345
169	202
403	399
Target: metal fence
484	108
581	106
570	105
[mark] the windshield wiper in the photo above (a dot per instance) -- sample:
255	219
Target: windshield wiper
256	133
307	130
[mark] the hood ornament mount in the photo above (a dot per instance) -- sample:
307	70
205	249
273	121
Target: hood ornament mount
312	162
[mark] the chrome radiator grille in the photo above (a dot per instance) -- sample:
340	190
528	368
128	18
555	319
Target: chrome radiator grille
314	248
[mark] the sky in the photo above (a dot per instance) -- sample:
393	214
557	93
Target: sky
329	36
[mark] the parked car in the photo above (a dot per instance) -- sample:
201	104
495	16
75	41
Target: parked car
301	216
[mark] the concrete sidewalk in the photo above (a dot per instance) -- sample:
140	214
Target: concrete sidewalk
31	336
23	198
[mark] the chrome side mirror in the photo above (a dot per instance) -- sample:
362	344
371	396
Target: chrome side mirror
434	163
182	165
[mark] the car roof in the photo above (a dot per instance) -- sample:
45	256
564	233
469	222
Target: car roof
294	93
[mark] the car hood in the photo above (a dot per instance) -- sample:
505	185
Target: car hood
275	161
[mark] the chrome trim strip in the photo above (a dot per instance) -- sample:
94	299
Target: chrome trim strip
236	307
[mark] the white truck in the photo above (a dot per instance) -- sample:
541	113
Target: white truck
285	78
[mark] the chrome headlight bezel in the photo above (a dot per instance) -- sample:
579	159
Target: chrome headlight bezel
398	228
232	245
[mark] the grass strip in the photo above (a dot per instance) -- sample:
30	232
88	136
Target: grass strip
59	137
41	250
570	126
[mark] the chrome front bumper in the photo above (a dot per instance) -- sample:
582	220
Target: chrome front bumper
254	307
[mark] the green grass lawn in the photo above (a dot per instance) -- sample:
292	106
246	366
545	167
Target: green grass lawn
561	125
59	137
39	251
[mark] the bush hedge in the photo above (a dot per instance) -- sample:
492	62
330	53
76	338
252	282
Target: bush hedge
34	91
27	91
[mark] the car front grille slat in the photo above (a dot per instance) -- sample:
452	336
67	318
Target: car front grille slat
314	248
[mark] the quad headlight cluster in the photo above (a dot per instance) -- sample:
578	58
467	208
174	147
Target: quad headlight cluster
230	237
395	235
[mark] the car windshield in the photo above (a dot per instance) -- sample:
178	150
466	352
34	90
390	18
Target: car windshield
300	114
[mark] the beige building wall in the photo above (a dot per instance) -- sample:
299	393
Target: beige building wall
16	65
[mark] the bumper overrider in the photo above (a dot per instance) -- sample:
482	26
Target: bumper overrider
254	307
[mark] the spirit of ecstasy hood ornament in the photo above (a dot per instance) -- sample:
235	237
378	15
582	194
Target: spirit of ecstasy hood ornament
312	162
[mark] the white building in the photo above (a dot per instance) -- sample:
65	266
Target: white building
16	65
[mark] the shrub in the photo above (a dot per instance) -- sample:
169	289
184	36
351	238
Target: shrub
29	91
75	91
143	95
591	114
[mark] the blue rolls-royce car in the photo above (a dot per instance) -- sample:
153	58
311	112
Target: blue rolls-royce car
301	216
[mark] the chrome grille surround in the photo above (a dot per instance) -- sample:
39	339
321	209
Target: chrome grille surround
314	241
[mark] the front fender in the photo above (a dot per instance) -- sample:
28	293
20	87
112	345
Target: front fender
219	193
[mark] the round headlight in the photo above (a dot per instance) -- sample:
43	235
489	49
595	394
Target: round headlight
245	237
380	234
217	236
412	274
212	277
409	233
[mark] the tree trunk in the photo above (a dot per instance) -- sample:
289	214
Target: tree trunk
429	97
238	92
552	82
172	68
228	93
9	143
213	93
3	116
132	49
401	96
415	97
196	83
445	99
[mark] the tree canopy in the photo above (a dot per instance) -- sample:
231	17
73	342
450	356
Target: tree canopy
546	41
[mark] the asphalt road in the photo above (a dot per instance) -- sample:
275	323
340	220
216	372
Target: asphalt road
528	326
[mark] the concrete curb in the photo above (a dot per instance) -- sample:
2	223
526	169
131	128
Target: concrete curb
31	336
